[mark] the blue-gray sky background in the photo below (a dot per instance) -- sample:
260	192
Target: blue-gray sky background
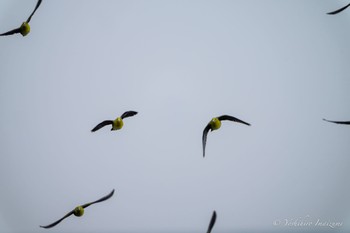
280	65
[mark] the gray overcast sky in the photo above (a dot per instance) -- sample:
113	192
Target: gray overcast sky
280	65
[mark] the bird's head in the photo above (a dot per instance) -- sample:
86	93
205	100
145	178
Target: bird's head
79	211
215	123
24	29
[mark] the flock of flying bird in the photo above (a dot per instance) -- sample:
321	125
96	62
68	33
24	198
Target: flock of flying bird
118	123
24	29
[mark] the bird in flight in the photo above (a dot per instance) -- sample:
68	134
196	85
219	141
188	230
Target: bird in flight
339	10
339	122
212	222
79	210
215	124
24	29
117	123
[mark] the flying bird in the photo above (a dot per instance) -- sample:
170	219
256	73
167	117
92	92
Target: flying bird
339	122
116	124
24	29
215	124
79	210
339	10
212	222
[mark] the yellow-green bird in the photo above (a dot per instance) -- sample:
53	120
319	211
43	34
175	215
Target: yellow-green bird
24	29
339	122
117	123
215	124
212	222
339	10
79	210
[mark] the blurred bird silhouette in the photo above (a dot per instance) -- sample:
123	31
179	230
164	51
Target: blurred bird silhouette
212	222
339	122
339	10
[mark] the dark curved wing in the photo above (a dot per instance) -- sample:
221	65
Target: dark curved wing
102	124
231	118
36	7
99	200
204	137
58	221
14	31
212	222
339	122
339	10
128	114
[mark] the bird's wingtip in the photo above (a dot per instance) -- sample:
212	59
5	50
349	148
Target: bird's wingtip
111	193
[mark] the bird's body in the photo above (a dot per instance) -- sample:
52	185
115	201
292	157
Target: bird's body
339	10
215	124
24	29
339	122
117	123
79	210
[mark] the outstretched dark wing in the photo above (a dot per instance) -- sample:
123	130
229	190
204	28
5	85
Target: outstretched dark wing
339	122
99	200
102	124
128	114
212	222
14	31
204	137
36	7
339	10
58	221
231	118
